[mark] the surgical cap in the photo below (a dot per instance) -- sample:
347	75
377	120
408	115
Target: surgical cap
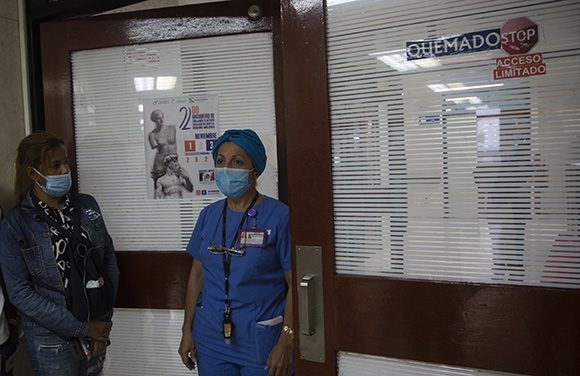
249	141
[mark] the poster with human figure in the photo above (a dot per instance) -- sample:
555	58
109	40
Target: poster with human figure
179	135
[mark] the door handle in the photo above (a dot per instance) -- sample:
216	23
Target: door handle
307	305
310	300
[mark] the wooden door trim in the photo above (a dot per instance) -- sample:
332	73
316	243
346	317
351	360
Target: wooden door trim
38	10
152	279
60	38
305	92
464	324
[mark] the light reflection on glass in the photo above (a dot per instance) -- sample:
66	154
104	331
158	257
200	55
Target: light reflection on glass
397	60
154	83
457	86
144	83
470	100
338	2
166	82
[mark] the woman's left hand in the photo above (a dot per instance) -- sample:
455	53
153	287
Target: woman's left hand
97	347
279	361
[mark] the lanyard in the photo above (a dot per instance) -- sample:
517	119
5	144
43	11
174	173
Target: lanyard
227	260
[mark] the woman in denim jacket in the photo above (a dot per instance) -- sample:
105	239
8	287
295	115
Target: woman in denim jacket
35	257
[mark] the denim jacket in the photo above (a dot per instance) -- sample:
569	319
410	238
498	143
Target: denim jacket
32	278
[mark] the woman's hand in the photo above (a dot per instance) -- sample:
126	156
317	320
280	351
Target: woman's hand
187	347
279	361
99	330
187	350
96	347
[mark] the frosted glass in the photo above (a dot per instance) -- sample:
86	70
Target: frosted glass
441	172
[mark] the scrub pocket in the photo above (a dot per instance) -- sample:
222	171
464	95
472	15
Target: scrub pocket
267	334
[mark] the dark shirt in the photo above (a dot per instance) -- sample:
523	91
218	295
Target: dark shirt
60	242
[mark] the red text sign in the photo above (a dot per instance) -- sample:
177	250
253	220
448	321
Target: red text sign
519	66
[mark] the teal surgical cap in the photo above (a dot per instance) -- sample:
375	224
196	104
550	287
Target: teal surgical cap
249	141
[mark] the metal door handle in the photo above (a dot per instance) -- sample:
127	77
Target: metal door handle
309	285
307	305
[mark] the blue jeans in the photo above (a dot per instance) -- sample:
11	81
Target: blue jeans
51	355
7	350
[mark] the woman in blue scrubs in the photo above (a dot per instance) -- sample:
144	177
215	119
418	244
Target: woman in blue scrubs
238	305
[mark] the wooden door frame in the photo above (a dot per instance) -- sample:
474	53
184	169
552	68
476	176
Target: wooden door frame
528	330
38	11
60	38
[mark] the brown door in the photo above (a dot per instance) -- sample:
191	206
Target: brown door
519	329
154	277
60	38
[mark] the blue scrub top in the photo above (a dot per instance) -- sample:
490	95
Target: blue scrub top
257	283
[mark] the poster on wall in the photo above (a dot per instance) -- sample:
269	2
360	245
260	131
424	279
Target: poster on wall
179	136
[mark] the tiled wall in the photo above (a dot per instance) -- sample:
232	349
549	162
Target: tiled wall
11	107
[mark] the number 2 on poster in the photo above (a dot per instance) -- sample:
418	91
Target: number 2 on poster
187	114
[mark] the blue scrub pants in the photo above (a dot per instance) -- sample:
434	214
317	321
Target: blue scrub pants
210	366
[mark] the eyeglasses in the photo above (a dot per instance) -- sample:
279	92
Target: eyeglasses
219	250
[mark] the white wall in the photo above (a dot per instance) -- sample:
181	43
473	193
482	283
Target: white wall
12	127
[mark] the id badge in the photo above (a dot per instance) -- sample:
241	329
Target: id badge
227	327
256	238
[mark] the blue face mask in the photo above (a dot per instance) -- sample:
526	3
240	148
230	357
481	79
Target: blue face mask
232	182
56	185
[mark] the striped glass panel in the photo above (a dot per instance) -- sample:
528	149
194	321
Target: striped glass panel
109	89
440	171
352	364
144	342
